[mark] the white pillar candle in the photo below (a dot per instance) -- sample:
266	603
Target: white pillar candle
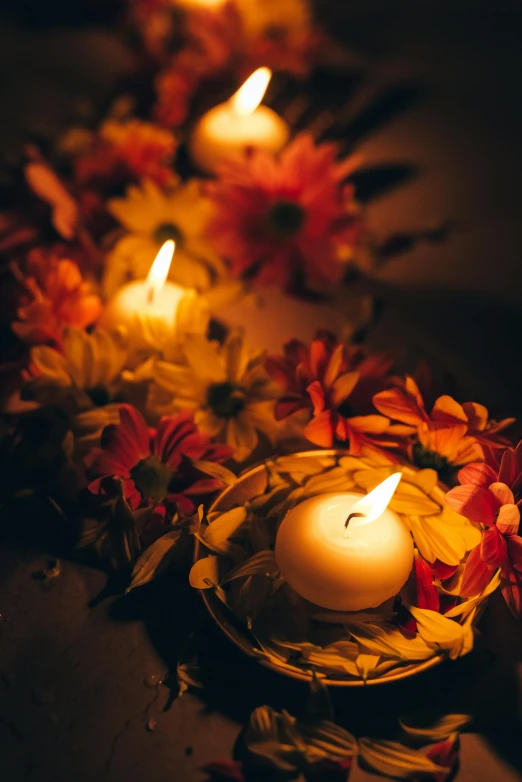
346	568
148	309
225	131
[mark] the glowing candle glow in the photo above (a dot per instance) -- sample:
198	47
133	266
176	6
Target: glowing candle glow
211	4
345	552
224	131
148	306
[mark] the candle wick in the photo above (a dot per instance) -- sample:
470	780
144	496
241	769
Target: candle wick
354	516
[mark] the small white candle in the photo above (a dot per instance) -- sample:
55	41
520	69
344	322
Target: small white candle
148	307
346	568
224	131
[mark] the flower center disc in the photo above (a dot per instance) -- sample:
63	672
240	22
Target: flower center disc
152	478
285	219
166	231
99	396
430	460
225	400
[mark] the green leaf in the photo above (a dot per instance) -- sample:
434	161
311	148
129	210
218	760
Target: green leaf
123	539
204	574
216	471
264	503
335	742
439	730
154	560
248	600
224	526
393	759
263	563
318	703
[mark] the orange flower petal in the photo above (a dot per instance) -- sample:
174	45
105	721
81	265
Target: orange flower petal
397	405
316	394
508	519
334	366
370	424
320	430
446	410
503	493
477	416
343	387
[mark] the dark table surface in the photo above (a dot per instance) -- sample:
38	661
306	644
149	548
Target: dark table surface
79	671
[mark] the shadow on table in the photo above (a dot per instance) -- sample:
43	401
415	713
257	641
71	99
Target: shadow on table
484	684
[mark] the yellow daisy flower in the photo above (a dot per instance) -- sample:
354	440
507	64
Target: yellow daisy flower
84	379
228	388
150	217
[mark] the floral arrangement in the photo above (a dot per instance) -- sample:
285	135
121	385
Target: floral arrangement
135	442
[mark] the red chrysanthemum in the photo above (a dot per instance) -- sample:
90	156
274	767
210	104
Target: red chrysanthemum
286	219
155	466
334	382
492	498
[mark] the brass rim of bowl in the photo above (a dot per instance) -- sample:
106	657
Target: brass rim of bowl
219	612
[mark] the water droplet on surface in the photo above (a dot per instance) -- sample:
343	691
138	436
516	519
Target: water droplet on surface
151	725
152	680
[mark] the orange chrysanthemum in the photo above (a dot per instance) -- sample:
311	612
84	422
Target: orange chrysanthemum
334	383
450	436
127	151
57	296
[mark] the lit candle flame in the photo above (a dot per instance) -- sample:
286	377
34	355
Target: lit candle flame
375	503
159	271
248	97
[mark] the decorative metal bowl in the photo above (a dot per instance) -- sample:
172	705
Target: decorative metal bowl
249	485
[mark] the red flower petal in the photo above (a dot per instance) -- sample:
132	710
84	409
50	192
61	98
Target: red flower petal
473	502
288	406
508	470
225	770
479	474
442	571
318	358
446	754
493	548
427	595
512	589
514	545
477	574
